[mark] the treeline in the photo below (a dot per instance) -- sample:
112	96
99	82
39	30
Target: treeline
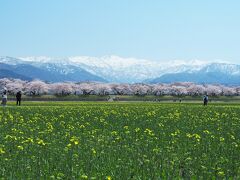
38	87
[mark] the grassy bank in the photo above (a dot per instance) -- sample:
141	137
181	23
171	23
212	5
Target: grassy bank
126	98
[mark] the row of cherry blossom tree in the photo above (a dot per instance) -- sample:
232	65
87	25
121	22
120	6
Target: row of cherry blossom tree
37	87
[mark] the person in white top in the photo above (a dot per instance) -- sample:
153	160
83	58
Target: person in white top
4	98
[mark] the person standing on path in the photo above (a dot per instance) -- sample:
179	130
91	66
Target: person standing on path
4	98
19	98
205	100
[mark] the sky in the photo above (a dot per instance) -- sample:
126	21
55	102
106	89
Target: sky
159	30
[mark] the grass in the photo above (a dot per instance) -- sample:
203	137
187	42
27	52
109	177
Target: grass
124	98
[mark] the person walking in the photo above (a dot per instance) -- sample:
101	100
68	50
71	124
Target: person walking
19	98
205	100
4	98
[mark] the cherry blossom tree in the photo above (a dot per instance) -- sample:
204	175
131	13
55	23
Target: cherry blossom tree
195	90
178	90
61	88
102	89
213	90
14	86
86	88
36	87
3	83
238	90
228	91
122	89
141	89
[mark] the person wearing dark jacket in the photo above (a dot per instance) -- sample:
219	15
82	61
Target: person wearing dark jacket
205	100
19	98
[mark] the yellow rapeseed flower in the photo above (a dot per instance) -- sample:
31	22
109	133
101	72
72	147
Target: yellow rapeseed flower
41	142
74	140
2	151
221	173
94	151
20	147
69	145
84	176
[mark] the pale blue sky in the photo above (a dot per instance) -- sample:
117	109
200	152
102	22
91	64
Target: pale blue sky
151	29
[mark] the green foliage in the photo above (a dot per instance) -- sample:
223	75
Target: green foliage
119	141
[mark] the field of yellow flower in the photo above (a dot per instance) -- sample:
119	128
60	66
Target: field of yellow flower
119	141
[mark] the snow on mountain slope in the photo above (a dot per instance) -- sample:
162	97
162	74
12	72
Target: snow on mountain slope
231	69
117	69
125	70
10	60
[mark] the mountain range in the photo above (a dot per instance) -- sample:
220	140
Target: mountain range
118	69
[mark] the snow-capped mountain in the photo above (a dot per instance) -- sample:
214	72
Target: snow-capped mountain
117	69
126	70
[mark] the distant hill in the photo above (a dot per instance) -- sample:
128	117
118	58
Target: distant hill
228	74
4	73
27	71
208	78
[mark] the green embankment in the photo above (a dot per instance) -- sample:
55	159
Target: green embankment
126	98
